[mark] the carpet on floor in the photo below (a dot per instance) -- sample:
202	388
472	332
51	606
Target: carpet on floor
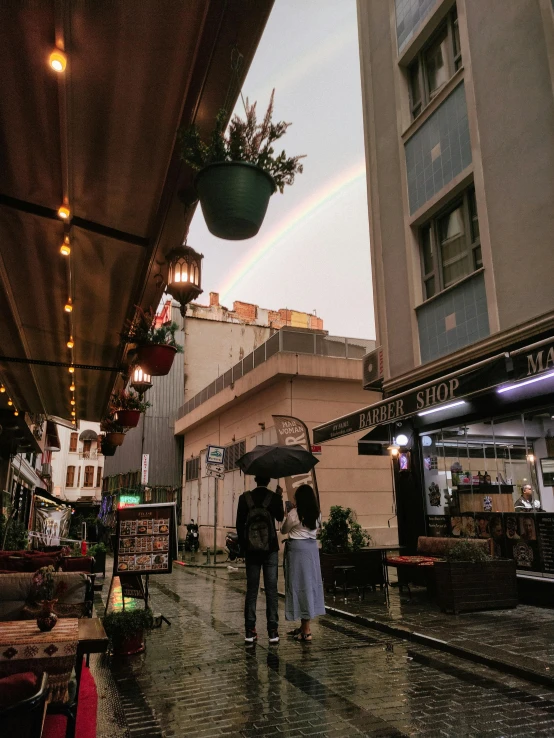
55	725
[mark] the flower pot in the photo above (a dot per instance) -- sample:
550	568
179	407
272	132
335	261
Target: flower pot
128	418
463	586
47	618
156	359
234	197
108	449
115	439
129	646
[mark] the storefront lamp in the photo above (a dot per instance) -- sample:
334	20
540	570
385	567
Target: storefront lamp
393	449
141	381
184	279
402	439
531	458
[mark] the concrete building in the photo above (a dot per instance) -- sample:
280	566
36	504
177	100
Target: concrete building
307	375
459	118
78	467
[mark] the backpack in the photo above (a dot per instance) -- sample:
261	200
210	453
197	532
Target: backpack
260	525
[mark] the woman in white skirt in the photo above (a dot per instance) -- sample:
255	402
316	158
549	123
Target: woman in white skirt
303	586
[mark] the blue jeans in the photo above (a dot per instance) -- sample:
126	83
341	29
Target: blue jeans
269	562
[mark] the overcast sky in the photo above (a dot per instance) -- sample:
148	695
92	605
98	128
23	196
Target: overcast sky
312	251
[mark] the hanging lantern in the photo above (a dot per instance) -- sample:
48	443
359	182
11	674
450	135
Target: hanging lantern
141	381
184	280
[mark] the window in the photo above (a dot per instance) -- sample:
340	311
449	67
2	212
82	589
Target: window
73	442
192	469
70	476
450	246
89	476
99	476
435	65
79	477
232	453
86	449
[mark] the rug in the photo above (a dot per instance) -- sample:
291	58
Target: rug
55	725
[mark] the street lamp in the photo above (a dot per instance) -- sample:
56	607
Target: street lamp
184	278
141	381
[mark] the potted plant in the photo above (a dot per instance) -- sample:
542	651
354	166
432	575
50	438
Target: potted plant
125	629
108	449
45	591
238	170
128	406
155	346
115	432
98	552
469	580
344	543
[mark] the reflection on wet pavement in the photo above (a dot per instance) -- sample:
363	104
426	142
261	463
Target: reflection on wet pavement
198	679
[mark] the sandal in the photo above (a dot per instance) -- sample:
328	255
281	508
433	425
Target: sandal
294	632
303	637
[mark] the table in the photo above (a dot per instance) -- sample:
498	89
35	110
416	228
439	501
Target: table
92	639
383	550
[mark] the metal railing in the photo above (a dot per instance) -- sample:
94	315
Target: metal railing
284	341
92	454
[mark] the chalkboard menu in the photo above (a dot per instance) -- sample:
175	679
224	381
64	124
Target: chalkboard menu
545	524
146	539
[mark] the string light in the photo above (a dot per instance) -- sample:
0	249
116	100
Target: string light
71	369
72	402
10	401
73	413
65	248
69	305
58	61
64	212
70	343
2	388
72	387
15	412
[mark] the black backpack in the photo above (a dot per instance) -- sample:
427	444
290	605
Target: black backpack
260	525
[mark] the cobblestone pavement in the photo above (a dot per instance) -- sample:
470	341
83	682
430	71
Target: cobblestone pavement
198	679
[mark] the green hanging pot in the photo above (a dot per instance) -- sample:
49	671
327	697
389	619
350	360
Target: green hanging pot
234	196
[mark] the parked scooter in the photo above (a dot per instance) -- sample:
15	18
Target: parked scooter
233	547
192	541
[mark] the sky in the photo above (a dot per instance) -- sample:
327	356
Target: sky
312	251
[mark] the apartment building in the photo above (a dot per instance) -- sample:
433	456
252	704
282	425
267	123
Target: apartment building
459	121
77	469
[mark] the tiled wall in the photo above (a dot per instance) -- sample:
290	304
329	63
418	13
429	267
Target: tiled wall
409	14
439	150
454	319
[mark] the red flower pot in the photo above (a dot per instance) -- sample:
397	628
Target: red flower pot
130	646
128	418
156	359
115	439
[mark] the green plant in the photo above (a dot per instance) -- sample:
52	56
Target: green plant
110	425
129	400
97	548
466	551
342	533
43	585
13	533
124	624
142	331
246	140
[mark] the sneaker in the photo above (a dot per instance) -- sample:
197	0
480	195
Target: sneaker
250	636
273	636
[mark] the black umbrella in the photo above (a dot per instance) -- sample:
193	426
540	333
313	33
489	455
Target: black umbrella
277	461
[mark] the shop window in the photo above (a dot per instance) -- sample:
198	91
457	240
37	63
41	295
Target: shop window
89	476
450	245
435	65
99	476
232	453
73	442
192	469
70	476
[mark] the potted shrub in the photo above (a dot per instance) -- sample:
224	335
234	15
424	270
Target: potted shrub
469	580
238	171
344	543
125	629
98	552
115	432
155	346
128	406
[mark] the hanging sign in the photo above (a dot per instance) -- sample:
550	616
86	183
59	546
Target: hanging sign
144	468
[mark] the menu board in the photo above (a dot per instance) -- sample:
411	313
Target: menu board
545	525
146	539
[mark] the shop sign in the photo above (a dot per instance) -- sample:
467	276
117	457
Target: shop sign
530	363
144	468
292	431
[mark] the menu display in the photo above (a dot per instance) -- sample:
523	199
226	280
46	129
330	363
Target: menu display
146	539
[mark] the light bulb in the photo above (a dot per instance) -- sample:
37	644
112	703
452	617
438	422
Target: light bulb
68	307
2	388
15	412
72	402
71	369
65	248
70	343
73	413
72	387
10	401
58	61
64	212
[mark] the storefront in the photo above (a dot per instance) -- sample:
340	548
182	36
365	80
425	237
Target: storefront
473	454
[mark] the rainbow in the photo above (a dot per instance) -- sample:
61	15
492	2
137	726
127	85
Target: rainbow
307	207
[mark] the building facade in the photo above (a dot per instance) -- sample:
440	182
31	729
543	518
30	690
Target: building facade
458	114
78	468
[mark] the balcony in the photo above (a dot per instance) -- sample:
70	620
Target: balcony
92	454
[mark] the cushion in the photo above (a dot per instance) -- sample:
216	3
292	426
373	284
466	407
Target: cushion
77	563
17	687
31	610
34	563
411	560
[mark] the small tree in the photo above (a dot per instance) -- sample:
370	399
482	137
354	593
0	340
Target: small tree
342	533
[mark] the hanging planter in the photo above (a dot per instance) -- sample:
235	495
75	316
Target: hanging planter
115	439
128	418
156	359
107	448
238	171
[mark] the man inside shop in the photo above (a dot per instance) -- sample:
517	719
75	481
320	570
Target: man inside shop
526	502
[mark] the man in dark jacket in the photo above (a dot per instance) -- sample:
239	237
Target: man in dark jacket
258	560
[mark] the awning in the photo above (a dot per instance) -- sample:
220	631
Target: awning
521	365
374	442
88	435
38	492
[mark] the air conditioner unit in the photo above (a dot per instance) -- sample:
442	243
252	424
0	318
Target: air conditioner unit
373	369
46	470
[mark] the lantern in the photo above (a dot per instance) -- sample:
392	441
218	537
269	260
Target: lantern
184	280
141	381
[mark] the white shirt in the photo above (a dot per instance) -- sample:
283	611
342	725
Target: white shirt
296	529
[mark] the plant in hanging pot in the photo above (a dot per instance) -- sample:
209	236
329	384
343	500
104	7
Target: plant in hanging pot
125	629
238	170
128	407
108	449
115	432
155	346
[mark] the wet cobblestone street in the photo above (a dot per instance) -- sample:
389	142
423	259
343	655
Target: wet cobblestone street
198	679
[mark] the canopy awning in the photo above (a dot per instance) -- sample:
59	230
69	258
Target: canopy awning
88	435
